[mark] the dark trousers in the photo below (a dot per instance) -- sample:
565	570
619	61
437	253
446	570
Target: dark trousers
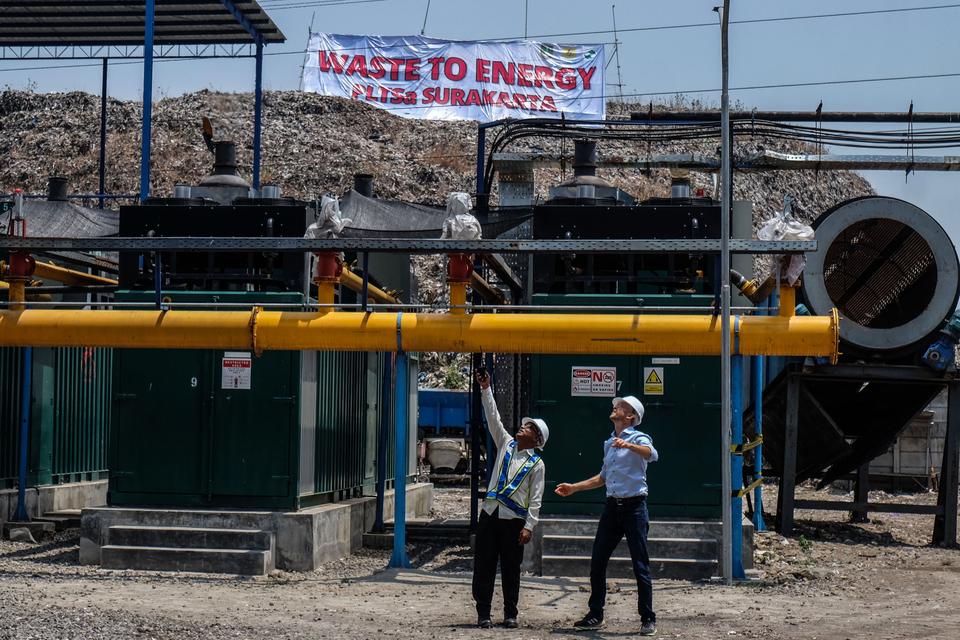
497	540
619	520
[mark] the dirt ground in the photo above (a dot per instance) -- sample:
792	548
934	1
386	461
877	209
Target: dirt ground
880	580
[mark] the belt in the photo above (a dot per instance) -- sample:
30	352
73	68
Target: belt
624	502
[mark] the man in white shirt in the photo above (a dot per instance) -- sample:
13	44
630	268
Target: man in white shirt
511	509
626	454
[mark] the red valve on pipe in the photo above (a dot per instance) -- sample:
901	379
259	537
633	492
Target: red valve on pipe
459	267
329	266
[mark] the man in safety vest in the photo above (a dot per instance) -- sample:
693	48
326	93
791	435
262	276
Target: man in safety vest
510	509
626	454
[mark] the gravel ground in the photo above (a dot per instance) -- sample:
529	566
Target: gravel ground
834	579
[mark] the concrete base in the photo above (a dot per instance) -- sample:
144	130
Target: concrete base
38	530
55	497
304	539
685	550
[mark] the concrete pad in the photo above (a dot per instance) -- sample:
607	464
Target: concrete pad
36	530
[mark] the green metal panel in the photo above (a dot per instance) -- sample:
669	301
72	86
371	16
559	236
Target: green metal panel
160	432
684	421
183	436
81	418
254	430
341	421
11	368
70	410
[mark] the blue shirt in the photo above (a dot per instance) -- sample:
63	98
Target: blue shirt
625	471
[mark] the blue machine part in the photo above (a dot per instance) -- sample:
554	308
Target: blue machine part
443	410
941	353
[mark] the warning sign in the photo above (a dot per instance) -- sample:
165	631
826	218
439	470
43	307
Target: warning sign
593	381
235	373
653	381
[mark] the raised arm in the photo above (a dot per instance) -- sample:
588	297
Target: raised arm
494	423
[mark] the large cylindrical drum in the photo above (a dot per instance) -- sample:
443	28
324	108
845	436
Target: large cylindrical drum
889	268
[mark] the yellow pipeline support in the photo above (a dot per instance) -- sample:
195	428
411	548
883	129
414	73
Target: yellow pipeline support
325	292
788	301
18	293
458	298
355	283
464	333
50	271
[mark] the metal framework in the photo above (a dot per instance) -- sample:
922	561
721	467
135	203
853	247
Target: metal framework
945	511
517	188
171	29
405	245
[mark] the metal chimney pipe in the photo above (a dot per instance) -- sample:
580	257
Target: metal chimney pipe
584	158
270	192
57	189
363	184
225	158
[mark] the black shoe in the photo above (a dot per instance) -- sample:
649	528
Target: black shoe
648	628
485	623
510	623
589	621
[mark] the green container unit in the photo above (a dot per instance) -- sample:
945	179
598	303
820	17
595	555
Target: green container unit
214	428
70	408
681	414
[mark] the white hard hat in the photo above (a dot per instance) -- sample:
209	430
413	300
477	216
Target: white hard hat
635	404
544	430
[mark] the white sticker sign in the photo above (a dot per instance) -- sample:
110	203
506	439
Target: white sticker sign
593	381
235	372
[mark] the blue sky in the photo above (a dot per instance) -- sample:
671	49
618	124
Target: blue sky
668	60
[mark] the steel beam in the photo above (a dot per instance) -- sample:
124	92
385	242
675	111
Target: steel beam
767	161
257	114
294	245
147	100
943	117
945	525
788	477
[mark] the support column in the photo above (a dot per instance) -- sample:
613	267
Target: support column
25	382
788	477
476	427
103	132
257	115
383	440
861	493
399	558
736	467
945	524
756	375
147	100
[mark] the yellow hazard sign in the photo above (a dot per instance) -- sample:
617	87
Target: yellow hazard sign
653	381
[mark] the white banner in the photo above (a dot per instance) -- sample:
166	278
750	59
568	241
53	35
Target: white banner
419	77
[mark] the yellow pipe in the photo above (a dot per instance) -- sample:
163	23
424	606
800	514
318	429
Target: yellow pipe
788	301
50	271
355	283
458	298
18	293
325	292
466	333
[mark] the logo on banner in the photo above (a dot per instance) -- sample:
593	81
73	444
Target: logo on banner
421	77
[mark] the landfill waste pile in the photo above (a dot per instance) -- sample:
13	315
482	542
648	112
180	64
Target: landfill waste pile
314	144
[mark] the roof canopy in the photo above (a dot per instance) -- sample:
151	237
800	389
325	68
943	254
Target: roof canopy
109	22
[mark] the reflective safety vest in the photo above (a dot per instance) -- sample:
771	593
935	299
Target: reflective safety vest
505	490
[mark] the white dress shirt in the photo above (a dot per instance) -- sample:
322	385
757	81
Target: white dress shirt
530	492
